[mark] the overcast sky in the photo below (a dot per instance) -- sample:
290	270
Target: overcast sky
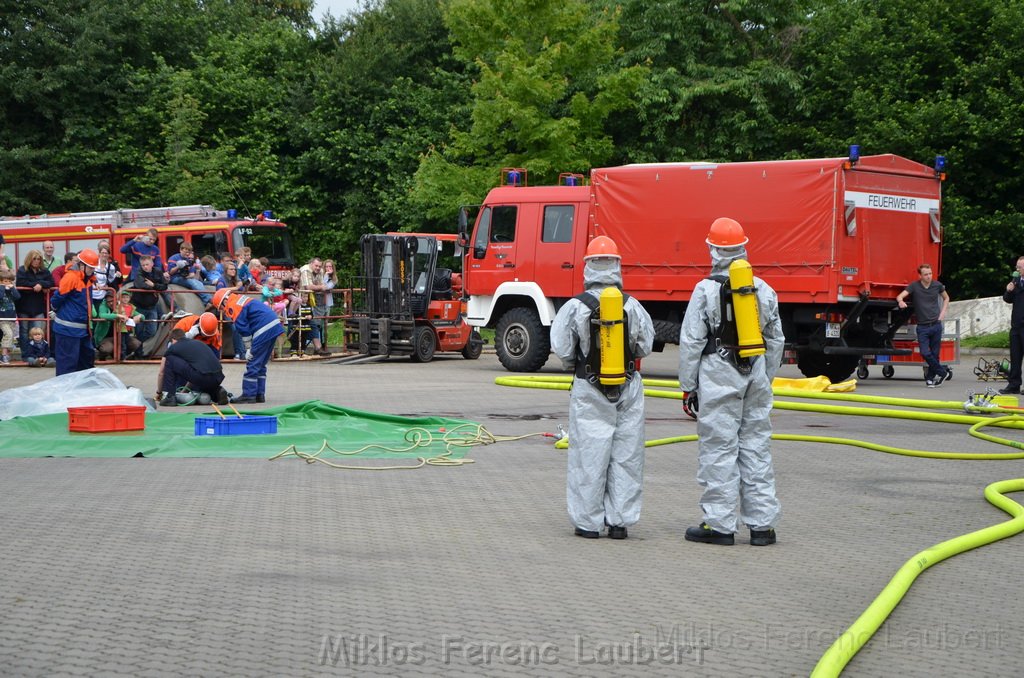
338	8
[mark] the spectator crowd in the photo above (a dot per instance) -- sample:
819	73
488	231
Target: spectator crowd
127	308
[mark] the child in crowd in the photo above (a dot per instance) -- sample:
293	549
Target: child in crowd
211	275
242	263
274	296
36	351
290	285
8	296
125	318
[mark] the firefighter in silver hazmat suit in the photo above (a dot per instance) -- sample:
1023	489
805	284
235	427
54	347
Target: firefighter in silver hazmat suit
733	425
606	436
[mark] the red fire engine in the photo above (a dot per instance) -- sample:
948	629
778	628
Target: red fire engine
210	231
838	239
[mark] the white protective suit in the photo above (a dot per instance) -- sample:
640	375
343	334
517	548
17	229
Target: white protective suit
733	424
606	439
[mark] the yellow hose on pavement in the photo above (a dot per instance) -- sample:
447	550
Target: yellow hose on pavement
854	638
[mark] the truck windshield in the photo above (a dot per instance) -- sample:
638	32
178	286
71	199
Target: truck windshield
272	242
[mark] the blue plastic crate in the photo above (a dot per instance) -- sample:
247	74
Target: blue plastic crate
249	425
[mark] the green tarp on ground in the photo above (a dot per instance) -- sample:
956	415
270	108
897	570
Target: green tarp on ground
171	433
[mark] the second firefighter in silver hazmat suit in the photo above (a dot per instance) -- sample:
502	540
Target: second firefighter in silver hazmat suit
606	437
734	461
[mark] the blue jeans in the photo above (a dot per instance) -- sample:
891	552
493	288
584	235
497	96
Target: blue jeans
929	339
147	328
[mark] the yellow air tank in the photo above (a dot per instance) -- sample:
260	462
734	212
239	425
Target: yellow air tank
744	304
613	346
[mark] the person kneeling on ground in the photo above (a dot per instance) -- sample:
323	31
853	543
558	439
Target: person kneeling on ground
191	363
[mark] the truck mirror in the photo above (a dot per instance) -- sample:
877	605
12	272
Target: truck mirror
463	228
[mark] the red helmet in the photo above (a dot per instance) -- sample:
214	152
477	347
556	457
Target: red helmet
219	296
208	324
602	246
89	258
726	232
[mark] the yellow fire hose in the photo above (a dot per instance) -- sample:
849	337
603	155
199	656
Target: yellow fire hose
854	638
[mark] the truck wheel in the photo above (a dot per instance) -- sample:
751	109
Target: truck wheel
474	347
423	341
521	341
836	367
667	331
888	371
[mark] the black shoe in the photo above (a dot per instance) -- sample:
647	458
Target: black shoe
242	400
617	532
949	374
762	537
222	396
586	534
706	535
169	401
1010	391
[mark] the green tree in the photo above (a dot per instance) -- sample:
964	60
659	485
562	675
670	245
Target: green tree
922	80
721	80
386	87
546	84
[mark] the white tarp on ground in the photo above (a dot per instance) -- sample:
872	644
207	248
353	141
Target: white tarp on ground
88	388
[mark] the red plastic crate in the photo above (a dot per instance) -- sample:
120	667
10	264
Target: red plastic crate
106	418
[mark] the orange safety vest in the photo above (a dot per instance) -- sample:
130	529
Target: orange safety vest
187	322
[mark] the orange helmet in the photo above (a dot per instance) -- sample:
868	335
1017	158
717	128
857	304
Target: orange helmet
726	232
602	246
208	324
219	296
89	258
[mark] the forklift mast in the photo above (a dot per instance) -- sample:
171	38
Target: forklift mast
398	275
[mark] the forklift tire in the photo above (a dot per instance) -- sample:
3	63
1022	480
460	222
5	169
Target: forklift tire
474	347
423	342
521	341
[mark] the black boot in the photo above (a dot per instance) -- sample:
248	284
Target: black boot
586	534
617	532
762	537
706	535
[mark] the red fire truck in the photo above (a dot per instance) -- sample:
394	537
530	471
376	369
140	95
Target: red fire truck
838	239
210	231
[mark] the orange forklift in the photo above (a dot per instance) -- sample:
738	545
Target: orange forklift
405	304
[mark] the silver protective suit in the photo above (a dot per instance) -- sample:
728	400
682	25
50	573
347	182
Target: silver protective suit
735	462
606	439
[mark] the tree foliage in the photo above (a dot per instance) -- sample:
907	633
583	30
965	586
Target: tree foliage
545	86
393	116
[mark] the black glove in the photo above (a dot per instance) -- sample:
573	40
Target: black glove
691	406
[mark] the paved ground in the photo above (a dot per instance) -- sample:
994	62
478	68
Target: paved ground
151	567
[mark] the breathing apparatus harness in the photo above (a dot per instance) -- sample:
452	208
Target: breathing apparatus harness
738	335
608	344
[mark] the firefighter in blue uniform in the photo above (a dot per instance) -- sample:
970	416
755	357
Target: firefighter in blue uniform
257	321
72	345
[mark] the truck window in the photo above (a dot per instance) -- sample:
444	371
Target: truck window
503	226
483	234
207	243
557	223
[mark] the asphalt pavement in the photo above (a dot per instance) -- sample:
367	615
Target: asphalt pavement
170	567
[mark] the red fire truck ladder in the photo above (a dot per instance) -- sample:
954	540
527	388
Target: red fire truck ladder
123	218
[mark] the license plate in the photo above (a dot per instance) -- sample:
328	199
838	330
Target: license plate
832	330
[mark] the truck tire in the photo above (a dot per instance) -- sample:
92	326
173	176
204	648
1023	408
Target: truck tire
521	341
667	331
836	367
423	342
474	347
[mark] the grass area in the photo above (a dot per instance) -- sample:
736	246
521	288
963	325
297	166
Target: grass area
997	340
